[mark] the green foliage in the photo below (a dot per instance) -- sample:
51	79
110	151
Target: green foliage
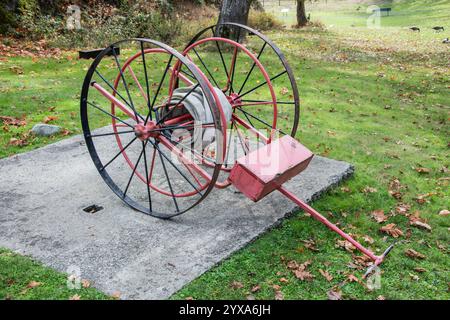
263	21
7	20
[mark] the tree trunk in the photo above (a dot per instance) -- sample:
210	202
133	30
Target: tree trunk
302	20
233	11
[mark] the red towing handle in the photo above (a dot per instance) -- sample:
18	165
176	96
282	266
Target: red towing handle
377	260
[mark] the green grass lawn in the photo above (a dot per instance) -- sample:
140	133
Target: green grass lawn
377	99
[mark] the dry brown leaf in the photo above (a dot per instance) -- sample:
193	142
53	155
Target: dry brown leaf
345	245
33	284
379	216
189	298
381	298
444	212
423	170
368	239
346	189
85	283
352	278
48	119
310	244
236	285
284	280
420	270
420	224
402	208
256	288
75	297
368	189
284	91
116	295
326	275
391	230
279	295
303	275
13	121
414	254
334	294
292	265
17	142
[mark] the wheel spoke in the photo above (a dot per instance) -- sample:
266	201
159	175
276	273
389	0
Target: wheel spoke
132	174
120	152
260	85
261	102
124	82
167	176
251	69
112	88
109	114
146	79
178	170
144	145
232	69
246	113
207	70
109	134
161	82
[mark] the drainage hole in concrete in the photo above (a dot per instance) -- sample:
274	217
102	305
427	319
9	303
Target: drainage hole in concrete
93	209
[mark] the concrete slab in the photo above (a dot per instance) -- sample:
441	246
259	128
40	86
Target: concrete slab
43	192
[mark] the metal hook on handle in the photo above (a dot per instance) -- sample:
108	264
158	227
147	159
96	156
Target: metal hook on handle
379	260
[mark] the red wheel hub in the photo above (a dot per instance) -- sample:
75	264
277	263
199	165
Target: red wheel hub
234	100
146	131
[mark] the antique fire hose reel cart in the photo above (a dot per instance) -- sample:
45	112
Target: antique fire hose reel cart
185	122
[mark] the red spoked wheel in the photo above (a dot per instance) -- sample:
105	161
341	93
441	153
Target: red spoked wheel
146	144
258	81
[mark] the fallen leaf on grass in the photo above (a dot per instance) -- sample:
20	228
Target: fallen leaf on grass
414	277
422	170
236	285
17	142
48	119
13	121
444	212
310	244
369	190
363	261
402	208
85	283
65	132
345	245
368	239
420	270
284	91
422	198
379	216
75	297
33	284
391	230
394	189
381	298
334	294
278	294
346	189
420	224
414	254
352	278
256	288
284	280
326	275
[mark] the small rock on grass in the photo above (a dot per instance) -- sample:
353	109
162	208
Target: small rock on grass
45	130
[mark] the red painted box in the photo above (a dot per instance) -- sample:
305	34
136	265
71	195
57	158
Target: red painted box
264	170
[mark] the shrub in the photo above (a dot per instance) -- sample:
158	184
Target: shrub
263	21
